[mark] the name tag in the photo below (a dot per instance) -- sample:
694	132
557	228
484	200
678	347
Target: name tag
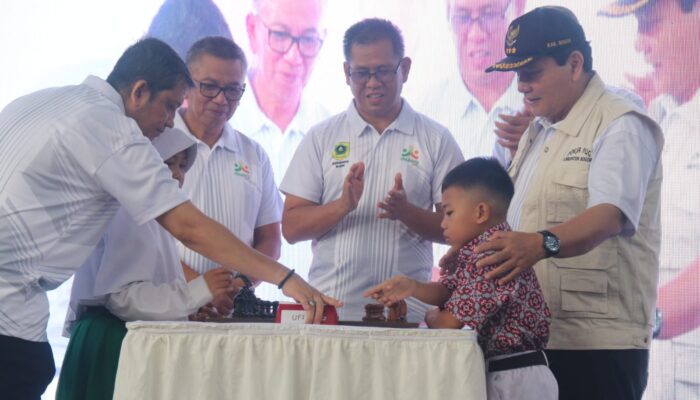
293	313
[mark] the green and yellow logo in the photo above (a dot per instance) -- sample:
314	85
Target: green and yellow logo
411	155
341	150
241	169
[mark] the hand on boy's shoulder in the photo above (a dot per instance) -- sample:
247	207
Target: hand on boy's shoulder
514	252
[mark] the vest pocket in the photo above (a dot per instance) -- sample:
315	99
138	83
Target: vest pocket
584	283
569	194
584	291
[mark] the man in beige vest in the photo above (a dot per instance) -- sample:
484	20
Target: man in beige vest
664	32
586	209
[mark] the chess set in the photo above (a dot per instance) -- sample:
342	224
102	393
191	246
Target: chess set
247	307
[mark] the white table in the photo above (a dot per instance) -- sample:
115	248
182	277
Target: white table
191	360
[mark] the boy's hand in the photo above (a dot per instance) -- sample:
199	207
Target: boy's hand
220	282
442	319
392	290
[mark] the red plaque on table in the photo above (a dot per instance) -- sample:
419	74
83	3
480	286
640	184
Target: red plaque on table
293	313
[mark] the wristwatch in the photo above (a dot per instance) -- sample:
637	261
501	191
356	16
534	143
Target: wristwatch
550	243
658	323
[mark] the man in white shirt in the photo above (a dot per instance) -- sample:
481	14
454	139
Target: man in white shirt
365	185
285	39
69	158
472	103
231	179
662	26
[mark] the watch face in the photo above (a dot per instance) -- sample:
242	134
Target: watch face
551	243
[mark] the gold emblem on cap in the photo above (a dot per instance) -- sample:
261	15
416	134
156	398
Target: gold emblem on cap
512	35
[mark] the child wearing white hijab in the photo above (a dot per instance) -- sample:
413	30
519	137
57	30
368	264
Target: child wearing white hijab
134	273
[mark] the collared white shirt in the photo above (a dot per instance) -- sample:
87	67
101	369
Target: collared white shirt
452	105
232	183
280	147
134	271
624	158
362	250
680	194
68	158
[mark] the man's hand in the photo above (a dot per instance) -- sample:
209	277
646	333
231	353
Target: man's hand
442	319
392	290
396	202
510	129
310	299
448	262
353	186
517	251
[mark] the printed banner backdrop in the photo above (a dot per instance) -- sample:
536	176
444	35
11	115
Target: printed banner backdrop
59	43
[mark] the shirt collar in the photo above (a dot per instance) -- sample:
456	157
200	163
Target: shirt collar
691	107
404	123
462	100
228	139
249	118
469	247
106	89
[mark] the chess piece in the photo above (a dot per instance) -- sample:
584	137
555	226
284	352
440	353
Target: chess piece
397	312
374	312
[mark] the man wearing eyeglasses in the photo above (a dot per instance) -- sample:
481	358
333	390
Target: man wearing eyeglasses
471	104
365	184
231	180
285	39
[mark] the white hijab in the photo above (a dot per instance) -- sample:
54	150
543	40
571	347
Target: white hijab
127	252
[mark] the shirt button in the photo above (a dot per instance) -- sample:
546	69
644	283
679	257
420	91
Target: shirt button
546	149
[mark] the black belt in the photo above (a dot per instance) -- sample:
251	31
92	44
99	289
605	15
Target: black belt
519	361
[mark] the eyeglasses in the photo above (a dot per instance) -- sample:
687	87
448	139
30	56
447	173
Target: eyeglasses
383	75
487	19
282	41
210	91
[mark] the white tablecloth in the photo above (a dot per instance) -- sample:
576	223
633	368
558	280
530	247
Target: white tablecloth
188	360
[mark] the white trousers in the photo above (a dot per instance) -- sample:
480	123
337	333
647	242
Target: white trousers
529	383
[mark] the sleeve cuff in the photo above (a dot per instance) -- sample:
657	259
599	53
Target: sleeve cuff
199	291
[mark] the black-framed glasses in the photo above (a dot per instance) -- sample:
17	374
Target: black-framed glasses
382	74
282	41
210	91
487	19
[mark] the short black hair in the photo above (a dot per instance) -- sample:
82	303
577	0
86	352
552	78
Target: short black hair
180	23
483	173
153	61
372	30
217	46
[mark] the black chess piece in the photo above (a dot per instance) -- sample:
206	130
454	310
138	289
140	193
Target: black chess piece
247	305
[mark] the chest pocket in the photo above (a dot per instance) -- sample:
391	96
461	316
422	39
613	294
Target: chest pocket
568	194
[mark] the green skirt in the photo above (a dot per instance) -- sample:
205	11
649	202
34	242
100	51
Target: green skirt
91	360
